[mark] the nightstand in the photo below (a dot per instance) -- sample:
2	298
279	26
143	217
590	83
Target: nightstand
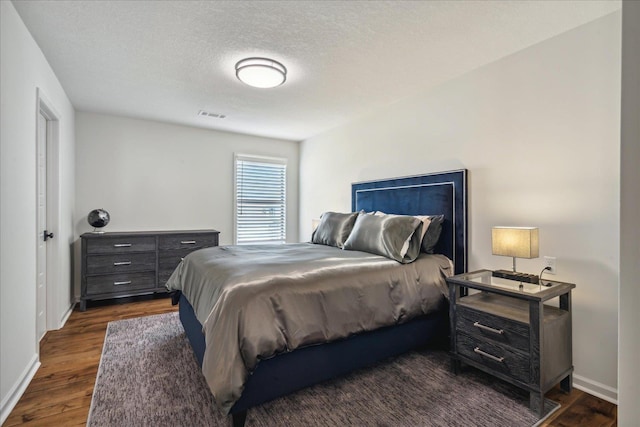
508	331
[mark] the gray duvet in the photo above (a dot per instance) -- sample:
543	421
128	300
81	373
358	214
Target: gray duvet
257	301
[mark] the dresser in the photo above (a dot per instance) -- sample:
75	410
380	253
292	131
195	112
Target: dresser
123	264
507	330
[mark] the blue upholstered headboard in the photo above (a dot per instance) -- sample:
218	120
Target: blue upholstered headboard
433	194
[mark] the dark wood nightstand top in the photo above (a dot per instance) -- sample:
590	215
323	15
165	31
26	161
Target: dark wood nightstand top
483	280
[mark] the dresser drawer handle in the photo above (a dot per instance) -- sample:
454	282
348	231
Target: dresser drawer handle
490	356
127	282
122	245
487	328
122	263
188	242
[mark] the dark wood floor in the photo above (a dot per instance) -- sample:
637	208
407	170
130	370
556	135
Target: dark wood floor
60	393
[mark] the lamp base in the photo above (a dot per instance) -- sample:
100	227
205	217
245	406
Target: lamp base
513	275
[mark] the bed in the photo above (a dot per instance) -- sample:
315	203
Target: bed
291	367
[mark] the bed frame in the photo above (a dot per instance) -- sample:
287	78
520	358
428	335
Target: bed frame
439	193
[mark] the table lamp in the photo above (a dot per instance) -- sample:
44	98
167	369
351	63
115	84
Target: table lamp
516	242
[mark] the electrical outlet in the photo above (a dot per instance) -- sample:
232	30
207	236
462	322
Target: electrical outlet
550	261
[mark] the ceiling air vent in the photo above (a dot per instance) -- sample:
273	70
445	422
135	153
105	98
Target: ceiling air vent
214	115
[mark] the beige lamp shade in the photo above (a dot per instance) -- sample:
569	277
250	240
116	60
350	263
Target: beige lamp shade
517	242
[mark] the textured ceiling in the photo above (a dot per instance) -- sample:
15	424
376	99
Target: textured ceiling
166	60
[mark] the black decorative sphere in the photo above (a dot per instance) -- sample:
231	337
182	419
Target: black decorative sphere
98	218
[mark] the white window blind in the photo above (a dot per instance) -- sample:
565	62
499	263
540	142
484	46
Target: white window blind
260	200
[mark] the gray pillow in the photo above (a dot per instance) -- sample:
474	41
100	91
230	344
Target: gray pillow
334	228
432	235
393	236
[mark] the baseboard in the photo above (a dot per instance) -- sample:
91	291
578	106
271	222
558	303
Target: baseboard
15	393
595	388
66	315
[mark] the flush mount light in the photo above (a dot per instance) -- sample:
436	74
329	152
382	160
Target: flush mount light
261	72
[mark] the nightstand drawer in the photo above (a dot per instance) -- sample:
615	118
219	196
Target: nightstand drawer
487	326
111	264
125	244
118	283
496	357
189	241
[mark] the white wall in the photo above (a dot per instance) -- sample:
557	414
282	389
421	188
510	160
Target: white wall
157	176
23	68
539	133
629	346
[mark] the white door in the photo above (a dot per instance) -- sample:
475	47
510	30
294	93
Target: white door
41	283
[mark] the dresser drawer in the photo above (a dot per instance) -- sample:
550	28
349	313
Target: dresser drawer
118	283
163	277
487	326
189	241
167	263
118	245
123	263
499	358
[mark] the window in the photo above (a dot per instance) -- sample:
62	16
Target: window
260	212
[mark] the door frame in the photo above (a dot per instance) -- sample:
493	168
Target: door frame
45	107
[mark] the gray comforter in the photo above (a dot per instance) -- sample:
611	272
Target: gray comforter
258	301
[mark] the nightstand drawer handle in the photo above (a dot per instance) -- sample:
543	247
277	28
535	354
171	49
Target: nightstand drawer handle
188	242
122	245
122	263
487	328
490	356
127	282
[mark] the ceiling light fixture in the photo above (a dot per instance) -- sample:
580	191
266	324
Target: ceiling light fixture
261	72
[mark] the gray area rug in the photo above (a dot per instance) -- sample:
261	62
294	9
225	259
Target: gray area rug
149	376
